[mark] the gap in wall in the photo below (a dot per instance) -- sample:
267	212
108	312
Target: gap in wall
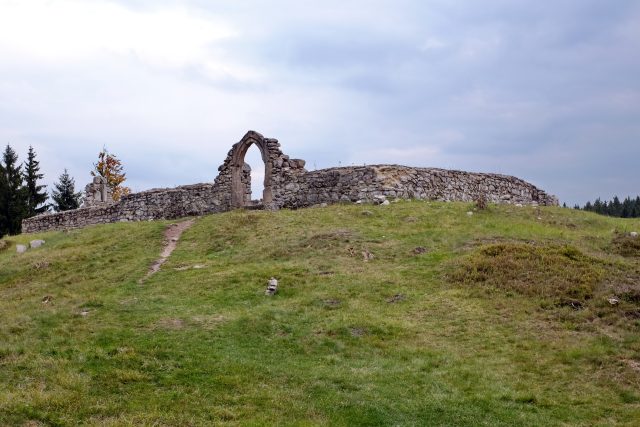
254	159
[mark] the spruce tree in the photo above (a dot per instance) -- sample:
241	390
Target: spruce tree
13	200
3	191
64	194
627	208
615	207
36	194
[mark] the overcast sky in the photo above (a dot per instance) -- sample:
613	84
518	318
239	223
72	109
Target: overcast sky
546	91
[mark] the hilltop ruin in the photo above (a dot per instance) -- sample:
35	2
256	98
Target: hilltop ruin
288	184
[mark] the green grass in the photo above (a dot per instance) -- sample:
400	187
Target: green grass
503	320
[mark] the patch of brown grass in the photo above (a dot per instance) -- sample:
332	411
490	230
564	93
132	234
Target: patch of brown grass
481	202
626	245
333	239
552	272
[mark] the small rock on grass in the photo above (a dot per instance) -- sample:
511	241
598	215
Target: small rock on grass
368	256
633	234
36	243
41	265
272	287
396	298
21	249
470	213
380	199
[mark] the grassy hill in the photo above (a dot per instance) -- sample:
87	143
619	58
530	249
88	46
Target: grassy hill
497	318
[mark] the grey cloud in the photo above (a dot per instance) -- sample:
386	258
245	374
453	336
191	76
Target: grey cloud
546	92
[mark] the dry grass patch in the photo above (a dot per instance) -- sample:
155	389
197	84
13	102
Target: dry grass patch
547	271
626	245
328	240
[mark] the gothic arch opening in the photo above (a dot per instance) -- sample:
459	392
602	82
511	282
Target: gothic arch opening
240	177
253	160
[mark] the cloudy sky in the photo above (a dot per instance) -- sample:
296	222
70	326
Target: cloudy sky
546	91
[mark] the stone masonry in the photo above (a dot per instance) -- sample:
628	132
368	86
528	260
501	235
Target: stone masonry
97	193
289	185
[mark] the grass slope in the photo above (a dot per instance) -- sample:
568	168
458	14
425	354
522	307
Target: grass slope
503	320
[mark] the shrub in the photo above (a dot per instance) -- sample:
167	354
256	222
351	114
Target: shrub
548	271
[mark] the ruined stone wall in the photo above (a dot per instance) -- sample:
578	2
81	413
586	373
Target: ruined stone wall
289	185
350	184
189	200
280	170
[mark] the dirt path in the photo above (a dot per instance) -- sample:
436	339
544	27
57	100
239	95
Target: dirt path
172	236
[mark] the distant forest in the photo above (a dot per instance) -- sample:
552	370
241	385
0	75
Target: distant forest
629	208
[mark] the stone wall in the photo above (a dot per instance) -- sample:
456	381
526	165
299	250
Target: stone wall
350	184
280	170
189	200
289	185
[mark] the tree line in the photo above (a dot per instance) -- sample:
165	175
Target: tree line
628	208
22	195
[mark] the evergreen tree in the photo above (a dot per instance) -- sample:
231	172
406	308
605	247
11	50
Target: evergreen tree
615	207
627	208
64	194
12	201
3	191
36	194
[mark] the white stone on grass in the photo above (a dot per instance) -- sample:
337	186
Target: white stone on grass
36	243
272	287
633	234
21	249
